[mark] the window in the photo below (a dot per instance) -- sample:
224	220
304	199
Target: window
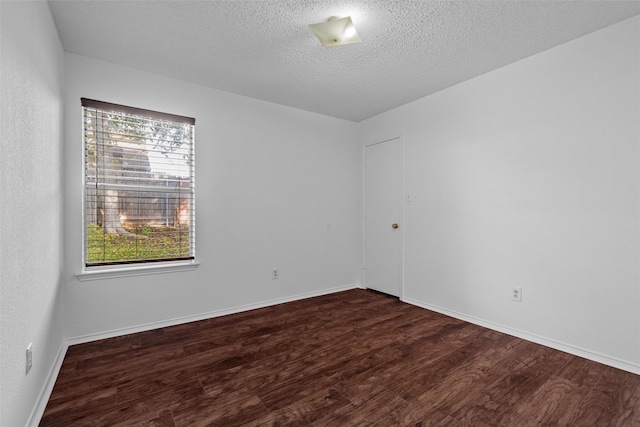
139	185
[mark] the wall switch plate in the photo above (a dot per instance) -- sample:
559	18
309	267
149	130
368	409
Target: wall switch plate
516	294
275	274
29	358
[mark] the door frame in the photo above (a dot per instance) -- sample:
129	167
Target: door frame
364	210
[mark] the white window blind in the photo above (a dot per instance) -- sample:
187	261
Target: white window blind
139	185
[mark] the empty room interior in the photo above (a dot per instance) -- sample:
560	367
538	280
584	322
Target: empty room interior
431	220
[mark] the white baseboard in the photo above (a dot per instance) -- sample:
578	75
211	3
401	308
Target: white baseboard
567	348
47	388
203	316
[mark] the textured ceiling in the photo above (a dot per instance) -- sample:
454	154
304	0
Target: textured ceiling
265	50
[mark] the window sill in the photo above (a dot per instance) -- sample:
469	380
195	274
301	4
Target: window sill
129	271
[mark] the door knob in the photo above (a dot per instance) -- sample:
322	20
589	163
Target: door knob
394	226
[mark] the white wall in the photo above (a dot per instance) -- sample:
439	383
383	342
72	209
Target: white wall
31	61
275	187
529	176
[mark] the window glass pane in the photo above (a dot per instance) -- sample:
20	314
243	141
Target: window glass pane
139	187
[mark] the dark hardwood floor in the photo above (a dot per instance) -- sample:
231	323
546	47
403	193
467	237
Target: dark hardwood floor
351	358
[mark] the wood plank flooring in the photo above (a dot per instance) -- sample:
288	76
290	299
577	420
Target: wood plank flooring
355	358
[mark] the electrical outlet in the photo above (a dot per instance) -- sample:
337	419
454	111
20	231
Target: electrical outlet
516	294
275	274
29	358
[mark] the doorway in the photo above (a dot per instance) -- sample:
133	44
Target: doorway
383	217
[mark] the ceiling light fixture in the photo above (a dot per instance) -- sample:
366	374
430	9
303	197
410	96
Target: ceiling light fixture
336	32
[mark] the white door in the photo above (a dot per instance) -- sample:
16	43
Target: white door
383	216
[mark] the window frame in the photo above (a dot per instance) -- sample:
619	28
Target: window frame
137	267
